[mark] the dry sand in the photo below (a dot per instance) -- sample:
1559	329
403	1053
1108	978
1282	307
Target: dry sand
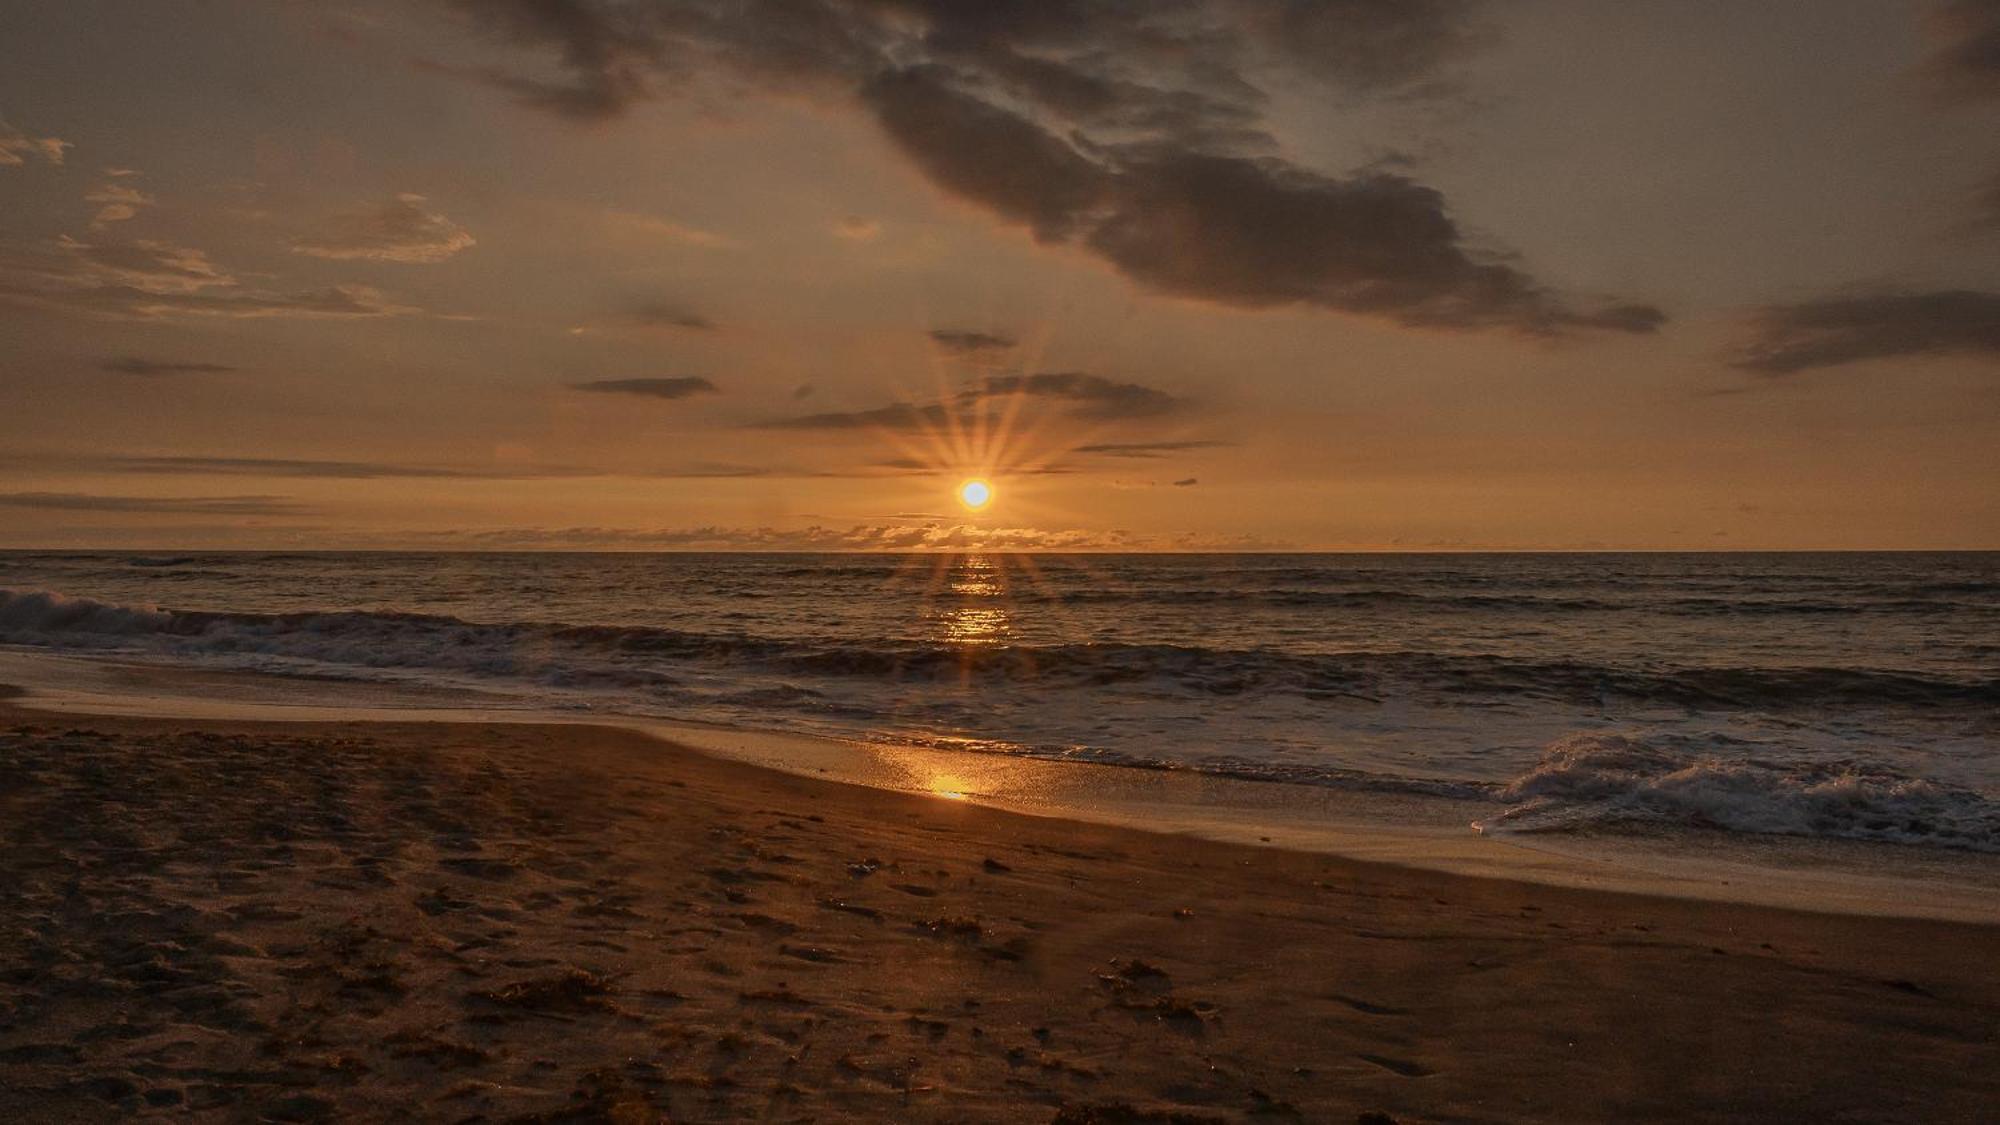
483	923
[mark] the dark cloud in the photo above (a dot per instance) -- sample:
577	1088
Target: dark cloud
1088	397
1145	449
135	365
940	467
1968	64
1367	45
401	229
963	342
1987	205
1137	132
986	154
1186	482
606	48
895	416
203	505
1260	233
1091	397
675	387
1784	339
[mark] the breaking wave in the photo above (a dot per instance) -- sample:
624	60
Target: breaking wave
1227	699
580	653
1589	781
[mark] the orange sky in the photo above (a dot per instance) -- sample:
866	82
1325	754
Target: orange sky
1189	274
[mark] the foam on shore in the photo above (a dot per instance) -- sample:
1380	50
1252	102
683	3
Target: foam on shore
1406	829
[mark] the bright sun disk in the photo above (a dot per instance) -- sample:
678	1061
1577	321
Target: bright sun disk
975	494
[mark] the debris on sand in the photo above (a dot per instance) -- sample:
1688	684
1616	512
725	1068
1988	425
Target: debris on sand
1124	1113
1137	973
953	927
1137	986
867	912
576	990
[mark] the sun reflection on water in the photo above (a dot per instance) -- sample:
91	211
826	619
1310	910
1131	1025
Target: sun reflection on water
975	577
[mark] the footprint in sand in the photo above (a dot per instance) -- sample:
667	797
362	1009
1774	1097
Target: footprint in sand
1371	1009
765	922
812	953
489	869
1404	1067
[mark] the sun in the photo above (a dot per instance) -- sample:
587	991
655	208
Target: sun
975	494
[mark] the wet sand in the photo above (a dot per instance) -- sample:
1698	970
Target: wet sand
411	921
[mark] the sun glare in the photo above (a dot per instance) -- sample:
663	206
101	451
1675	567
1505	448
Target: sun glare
975	494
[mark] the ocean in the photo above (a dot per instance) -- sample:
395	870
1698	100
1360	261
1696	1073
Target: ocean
1851	696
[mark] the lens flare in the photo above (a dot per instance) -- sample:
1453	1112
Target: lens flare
975	494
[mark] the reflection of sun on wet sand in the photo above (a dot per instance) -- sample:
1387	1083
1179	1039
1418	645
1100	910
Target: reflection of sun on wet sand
451	922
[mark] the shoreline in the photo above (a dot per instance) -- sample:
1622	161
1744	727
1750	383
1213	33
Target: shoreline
301	920
1406	830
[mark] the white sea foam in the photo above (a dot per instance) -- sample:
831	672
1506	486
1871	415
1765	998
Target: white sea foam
1417	682
38	611
1601	780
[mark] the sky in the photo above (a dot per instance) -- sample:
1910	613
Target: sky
1173	275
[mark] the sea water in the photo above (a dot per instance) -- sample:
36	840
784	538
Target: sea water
1837	695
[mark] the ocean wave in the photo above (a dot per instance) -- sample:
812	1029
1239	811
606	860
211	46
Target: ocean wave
574	653
1590	781
1527	603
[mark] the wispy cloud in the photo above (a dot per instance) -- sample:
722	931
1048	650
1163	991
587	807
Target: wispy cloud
667	314
116	199
855	228
313	469
1785	339
1090	397
147	279
673	387
964	342
16	146
1086	397
170	465
1145	449
134	365
668	229
401	229
895	416
177	505
652	316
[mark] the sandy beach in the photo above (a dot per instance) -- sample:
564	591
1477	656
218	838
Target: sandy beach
459	922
